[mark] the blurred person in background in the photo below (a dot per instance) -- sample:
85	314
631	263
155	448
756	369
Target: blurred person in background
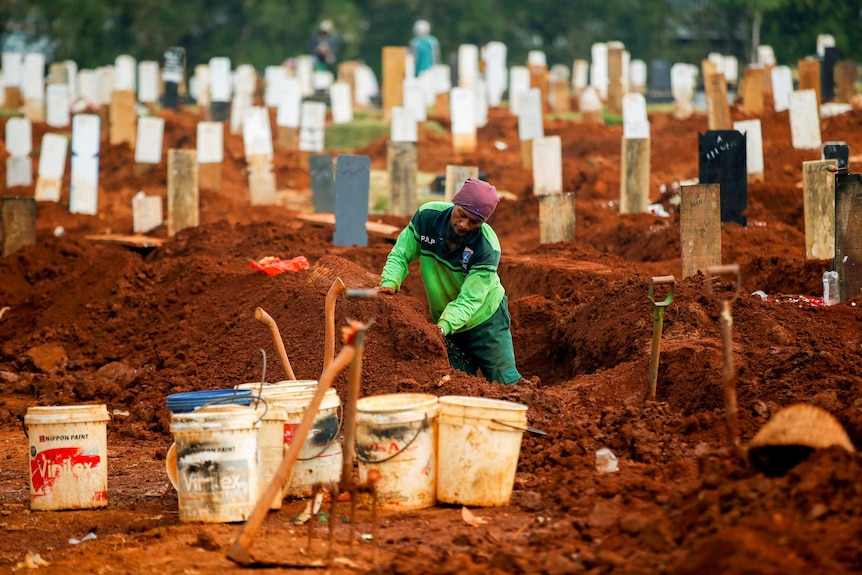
324	45
424	46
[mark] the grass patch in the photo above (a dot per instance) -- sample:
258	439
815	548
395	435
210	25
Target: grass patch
355	135
11	113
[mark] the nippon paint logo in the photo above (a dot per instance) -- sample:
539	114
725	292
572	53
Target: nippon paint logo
73	437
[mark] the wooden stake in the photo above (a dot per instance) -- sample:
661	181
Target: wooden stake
18	223
700	227
809	77
818	200
718	108
401	165
556	218
752	98
394	70
123	118
183	200
287	139
634	175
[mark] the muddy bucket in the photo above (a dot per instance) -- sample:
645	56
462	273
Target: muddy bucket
321	457
478	450
396	440
68	456
217	463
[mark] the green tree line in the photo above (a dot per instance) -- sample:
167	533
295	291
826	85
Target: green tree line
265	32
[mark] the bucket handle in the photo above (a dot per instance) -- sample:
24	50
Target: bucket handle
231	400
331	439
528	428
400	451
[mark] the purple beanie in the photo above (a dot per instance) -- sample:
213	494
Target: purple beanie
478	198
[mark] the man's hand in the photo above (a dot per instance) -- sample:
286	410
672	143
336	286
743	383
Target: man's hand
440	329
384	290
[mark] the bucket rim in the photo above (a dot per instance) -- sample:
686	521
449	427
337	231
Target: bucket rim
41	414
297	402
482	402
412	402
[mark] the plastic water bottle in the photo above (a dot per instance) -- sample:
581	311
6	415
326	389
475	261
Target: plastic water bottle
830	288
606	461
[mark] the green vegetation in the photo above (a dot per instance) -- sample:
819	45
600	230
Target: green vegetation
355	135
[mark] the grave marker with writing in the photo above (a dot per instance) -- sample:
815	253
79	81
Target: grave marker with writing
556	218
33	86
312	130
463	111
700	228
818	195
18	221
287	118
86	140
848	235
52	166
220	88
57	104
782	87
839	151
341	101
322	182
183	196
722	160
352	186
19	144
804	120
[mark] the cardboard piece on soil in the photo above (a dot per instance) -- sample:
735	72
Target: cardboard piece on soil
700	228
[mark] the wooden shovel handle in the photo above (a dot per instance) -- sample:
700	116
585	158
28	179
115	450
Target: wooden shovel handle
239	549
329	329
267	320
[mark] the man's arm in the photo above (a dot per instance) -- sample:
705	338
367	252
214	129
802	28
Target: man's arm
405	250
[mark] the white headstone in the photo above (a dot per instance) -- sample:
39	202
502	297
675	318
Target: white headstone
782	87
125	69
256	132
683	81
468	65
590	100
530	118
824	41
201	79
341	101
106	84
537	58
753	144
83	197
13	68
638	74
519	82
731	69
146	213
210	144
558	73
409	65
414	98
88	87
463	110
717	59
804	120
72	79
305	71
765	55
52	166
547	165
274	76
57	104
495	72
426	80
580	74
635	121
480	99
220	79
148	82
244	84
312	128
19	144
289	102
321	80
624	72
599	68
33	82
404	126
148	144
365	85
442	78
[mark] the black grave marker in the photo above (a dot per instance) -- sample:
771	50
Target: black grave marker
827	73
848	235
173	75
352	183
838	151
322	182
659	89
722	161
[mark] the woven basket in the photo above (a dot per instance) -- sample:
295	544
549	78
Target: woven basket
792	434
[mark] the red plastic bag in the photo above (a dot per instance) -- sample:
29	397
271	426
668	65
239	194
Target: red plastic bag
273	266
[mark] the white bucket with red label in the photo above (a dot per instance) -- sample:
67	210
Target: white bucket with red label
68	456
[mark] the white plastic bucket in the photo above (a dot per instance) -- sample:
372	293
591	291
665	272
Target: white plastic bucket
217	463
396	444
68	456
479	447
270	441
321	457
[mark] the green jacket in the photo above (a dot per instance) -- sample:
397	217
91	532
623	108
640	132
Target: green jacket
462	286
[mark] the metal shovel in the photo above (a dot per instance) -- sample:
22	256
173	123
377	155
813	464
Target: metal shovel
658	320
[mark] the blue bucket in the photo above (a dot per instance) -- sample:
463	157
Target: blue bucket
189	401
